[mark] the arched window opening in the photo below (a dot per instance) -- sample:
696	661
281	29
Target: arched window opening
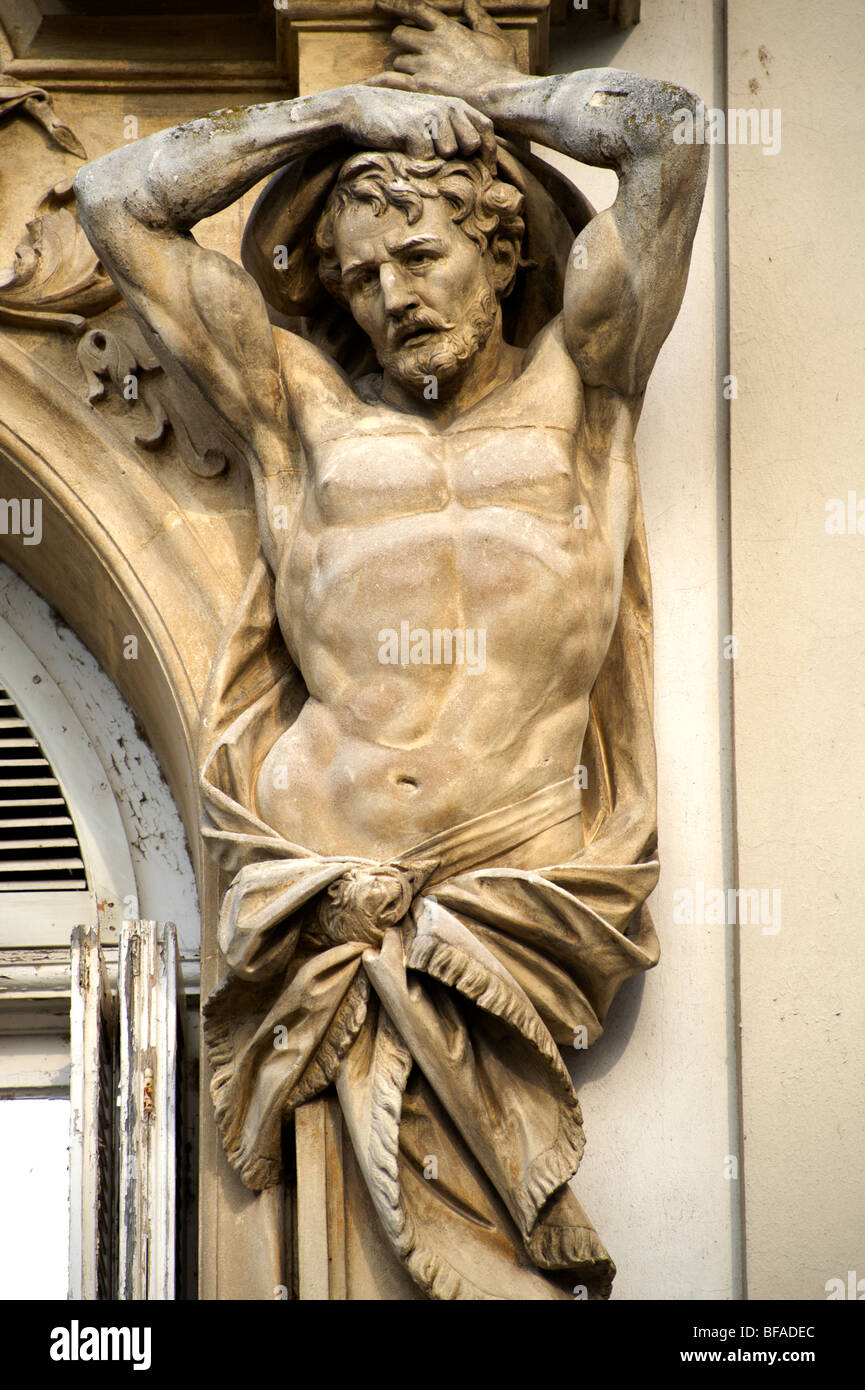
98	991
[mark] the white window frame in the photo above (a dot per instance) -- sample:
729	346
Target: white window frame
78	1017
125	1042
151	1025
92	1028
38	919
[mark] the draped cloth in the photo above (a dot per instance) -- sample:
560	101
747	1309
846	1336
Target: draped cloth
431	993
437	1010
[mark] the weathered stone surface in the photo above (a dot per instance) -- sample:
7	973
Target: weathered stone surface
427	755
326	43
19	99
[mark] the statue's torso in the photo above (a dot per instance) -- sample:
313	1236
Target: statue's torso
410	540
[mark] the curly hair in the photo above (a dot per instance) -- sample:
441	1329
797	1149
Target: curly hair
487	209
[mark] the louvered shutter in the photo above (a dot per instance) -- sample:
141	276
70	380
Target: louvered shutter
39	847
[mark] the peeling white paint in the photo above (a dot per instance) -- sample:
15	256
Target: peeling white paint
156	880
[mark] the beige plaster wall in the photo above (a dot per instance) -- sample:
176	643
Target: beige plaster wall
798	440
659	1092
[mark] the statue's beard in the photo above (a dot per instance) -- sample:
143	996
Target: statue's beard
443	355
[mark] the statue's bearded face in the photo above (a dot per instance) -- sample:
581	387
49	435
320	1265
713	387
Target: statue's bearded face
422	291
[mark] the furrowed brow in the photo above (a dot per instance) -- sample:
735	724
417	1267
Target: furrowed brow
396	248
357	267
416	243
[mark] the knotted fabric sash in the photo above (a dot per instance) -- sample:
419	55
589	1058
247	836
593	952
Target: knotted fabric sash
432	992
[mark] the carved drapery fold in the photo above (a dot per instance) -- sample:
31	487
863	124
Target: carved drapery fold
486	974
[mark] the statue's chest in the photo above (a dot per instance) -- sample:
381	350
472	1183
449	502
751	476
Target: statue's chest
366	479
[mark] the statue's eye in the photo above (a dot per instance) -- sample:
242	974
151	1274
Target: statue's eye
362	281
419	259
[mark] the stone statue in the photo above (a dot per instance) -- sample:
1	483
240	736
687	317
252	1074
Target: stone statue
427	753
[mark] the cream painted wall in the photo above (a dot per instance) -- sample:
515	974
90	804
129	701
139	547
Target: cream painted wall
659	1091
798	440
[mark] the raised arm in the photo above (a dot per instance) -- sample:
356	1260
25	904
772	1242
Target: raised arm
630	267
202	313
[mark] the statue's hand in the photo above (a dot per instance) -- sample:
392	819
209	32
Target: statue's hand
443	56
420	126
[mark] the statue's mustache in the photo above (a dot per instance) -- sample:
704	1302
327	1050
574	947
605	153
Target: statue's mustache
428	322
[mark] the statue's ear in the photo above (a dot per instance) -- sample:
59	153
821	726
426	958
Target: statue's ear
504	255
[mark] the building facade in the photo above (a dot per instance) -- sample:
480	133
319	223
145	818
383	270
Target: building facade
724	1105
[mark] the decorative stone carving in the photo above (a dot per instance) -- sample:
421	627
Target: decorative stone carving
137	376
19	98
318	39
56	281
427	762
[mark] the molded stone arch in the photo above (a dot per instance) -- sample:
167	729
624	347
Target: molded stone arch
118	558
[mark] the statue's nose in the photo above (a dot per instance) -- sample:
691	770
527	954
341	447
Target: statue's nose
397	290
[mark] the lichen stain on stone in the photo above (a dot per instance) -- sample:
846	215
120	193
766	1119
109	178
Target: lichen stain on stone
225	119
